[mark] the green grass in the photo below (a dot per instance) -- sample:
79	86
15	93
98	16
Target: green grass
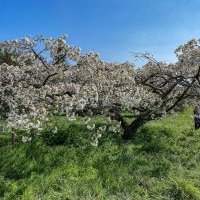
161	163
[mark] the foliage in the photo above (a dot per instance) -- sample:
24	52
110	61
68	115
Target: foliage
41	76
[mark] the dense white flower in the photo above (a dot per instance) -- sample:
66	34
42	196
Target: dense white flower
91	127
26	139
47	75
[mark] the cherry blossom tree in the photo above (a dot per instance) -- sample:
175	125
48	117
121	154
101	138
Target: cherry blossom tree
34	82
163	88
41	76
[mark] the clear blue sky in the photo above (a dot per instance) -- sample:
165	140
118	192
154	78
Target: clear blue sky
114	28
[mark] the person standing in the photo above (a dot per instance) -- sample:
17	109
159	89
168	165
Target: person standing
197	117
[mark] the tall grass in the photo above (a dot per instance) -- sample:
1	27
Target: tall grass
162	162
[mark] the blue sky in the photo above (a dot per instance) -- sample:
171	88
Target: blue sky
114	28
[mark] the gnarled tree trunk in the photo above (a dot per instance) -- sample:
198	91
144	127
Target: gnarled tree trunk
130	130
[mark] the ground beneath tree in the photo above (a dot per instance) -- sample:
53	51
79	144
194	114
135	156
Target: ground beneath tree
161	163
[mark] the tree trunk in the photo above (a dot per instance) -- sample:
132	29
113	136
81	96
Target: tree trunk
130	130
13	138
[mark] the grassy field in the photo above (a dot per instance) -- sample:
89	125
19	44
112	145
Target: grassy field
161	163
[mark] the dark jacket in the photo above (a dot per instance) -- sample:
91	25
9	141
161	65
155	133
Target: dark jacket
197	117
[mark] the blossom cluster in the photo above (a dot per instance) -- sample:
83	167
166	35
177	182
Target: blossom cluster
41	76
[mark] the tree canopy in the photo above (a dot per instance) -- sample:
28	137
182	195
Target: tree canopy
41	76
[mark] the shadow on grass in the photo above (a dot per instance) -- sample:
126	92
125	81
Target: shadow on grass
154	139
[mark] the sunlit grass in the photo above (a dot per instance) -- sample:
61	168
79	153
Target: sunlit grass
162	162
